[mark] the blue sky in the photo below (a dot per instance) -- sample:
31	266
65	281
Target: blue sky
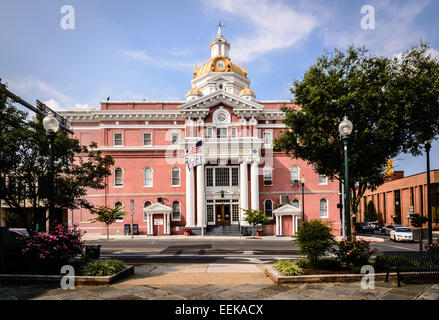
138	49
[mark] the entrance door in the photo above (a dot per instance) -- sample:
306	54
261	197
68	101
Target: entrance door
222	213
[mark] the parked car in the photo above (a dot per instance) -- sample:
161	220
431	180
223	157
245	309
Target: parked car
401	234
21	231
364	227
386	230
375	225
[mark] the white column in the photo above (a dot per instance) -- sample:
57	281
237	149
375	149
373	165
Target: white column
254	186
165	224
243	192
201	203
150	224
277	225
280	226
189	198
293	224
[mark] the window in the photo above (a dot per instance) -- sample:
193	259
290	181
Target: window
147	177
323	179
210	217
221	133
147	138
209	177
268	176
118	204
323	208
294	175
209	132
235	177
118	177
235	212
176	213
174	138
233	132
296	203
175	176
268	208
145	205
117	139
222	177
268	137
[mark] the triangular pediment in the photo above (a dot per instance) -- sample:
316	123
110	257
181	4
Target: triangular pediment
221	97
287	209
157	208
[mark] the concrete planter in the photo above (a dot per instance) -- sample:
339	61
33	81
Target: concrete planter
83	280
277	277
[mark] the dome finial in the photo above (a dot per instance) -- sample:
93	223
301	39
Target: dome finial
220	33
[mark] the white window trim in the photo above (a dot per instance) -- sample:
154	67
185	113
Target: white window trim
114	177
152	177
327	208
231	132
114	139
325	183
172	214
297	200
114	206
263	137
272	208
298	174
143	142
267	168
179	178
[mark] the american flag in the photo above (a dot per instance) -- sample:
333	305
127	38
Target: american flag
197	148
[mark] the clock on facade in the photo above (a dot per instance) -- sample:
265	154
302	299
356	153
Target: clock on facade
221	117
220	64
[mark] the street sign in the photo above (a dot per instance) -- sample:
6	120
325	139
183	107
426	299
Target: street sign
158	222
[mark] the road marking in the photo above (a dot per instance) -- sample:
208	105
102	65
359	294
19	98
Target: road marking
208	249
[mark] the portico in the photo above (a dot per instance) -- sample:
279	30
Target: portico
155	212
286	210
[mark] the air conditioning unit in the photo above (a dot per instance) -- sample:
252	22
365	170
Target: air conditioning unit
296	182
283	200
160	200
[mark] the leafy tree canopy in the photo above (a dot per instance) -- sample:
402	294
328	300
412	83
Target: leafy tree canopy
392	103
25	165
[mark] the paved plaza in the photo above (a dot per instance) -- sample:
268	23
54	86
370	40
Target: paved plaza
216	282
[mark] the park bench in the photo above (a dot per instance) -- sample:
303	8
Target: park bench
423	265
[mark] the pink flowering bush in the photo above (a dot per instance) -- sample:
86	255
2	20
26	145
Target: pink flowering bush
49	251
354	254
432	247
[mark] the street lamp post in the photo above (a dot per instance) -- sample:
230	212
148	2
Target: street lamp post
345	128
429	222
303	198
51	125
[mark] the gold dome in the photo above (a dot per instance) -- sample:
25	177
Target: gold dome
213	65
194	91
246	90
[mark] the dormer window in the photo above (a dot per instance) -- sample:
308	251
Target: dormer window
220	86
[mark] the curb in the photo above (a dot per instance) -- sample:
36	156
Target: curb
83	280
277	277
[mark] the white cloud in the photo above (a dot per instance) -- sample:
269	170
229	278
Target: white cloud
275	26
52	104
142	56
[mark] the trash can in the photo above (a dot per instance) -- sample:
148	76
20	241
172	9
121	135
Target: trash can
92	251
126	229
135	228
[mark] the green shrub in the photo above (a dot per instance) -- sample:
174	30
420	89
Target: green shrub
302	263
380	263
288	268
354	254
314	239
102	267
328	264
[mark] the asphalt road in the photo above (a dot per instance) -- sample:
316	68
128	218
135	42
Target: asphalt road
217	251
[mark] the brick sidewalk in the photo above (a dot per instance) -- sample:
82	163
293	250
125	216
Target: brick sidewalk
217	281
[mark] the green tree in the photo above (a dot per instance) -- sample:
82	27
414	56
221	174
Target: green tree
392	103
25	160
371	214
107	215
418	221
315	239
255	218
